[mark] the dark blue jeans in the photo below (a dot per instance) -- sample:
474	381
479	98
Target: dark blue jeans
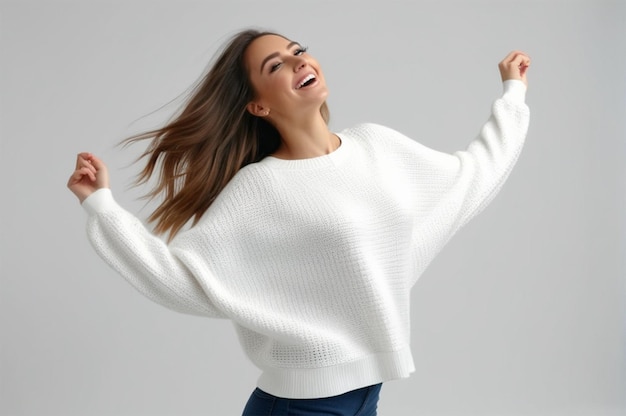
360	402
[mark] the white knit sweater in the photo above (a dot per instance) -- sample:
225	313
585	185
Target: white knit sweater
314	259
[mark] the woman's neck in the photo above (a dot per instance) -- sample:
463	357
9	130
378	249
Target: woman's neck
307	139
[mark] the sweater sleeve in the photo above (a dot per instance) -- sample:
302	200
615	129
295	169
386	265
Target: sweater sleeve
143	259
487	162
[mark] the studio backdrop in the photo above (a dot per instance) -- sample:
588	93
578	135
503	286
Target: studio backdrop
521	314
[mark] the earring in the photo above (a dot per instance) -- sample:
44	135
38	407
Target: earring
267	112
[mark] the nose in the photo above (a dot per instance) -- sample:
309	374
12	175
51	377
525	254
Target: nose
299	63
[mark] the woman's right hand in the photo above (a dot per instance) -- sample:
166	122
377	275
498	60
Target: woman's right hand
90	175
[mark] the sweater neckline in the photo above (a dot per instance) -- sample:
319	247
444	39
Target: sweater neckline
333	158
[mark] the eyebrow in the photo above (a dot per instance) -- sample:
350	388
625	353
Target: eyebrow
275	54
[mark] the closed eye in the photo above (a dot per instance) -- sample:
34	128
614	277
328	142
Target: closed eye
298	52
301	50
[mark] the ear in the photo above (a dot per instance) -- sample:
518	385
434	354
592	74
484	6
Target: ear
257	109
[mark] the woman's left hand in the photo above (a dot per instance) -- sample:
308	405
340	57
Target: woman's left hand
515	66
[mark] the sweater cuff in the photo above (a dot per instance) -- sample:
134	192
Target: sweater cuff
514	90
99	201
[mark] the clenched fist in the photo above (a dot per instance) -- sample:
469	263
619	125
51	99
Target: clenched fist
89	175
515	66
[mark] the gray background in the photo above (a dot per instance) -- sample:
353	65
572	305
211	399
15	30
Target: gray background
524	311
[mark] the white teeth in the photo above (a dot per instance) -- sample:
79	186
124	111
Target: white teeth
305	80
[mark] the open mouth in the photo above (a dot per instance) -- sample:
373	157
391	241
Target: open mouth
308	80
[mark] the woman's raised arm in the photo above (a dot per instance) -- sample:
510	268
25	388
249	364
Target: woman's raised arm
130	248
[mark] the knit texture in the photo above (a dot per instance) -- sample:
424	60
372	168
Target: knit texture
313	259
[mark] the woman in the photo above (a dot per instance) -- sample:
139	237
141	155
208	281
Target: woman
309	240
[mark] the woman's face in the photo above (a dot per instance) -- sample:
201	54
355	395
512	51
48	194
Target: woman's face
287	80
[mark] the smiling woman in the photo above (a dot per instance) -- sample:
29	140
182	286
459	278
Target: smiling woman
289	92
309	241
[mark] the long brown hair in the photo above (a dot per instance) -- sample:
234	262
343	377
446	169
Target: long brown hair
213	137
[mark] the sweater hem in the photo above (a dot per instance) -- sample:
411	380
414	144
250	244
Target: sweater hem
331	381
